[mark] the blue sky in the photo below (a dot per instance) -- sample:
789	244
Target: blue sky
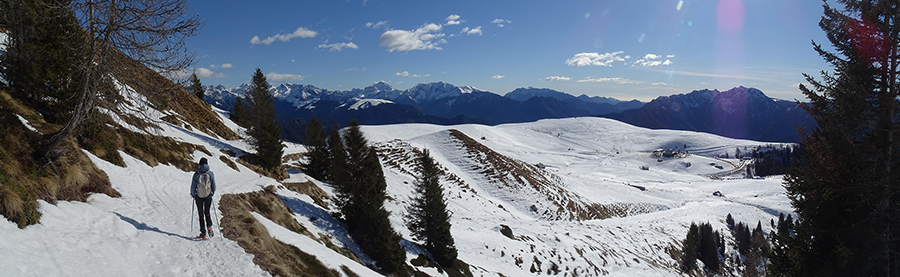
622	49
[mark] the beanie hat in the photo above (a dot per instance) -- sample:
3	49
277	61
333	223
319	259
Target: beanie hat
203	161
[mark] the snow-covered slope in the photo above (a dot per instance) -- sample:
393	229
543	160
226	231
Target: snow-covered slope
571	190
589	161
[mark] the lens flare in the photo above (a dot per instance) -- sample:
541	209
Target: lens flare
730	15
680	3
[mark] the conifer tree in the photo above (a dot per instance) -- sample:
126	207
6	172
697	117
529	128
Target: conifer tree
690	248
264	133
845	188
337	169
318	156
428	218
708	248
239	113
196	87
360	185
43	53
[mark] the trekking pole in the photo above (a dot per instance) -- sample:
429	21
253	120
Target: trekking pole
216	210
192	217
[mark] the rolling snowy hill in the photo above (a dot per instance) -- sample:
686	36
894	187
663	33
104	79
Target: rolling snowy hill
581	196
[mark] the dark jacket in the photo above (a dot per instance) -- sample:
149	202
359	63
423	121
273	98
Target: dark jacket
196	179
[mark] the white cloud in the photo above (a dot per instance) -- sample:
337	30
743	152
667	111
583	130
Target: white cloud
498	77
377	25
472	31
275	77
501	22
660	84
407	74
339	46
651	60
224	65
616	80
206	73
424	38
453	19
300	32
557	78
589	59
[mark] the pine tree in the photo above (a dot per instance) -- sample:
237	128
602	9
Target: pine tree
196	87
708	248
239	112
428	218
844	188
264	133
690	248
318	156
360	186
43	54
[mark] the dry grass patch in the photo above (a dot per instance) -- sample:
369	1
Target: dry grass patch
71	177
166	95
229	163
250	161
103	140
309	188
273	256
293	161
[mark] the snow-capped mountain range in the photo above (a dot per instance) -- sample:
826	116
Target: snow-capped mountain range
740	112
439	103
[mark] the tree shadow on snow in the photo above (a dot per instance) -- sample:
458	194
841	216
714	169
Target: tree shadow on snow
144	227
326	222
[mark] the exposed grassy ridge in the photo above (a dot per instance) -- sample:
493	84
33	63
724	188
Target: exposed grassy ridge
105	138
277	258
514	174
24	180
164	95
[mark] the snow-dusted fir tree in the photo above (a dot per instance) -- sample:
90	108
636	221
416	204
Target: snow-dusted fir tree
428	218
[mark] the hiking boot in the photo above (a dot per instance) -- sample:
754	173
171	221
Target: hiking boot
209	231
202	236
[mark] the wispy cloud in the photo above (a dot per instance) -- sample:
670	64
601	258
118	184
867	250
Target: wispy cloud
659	84
595	59
557	78
224	65
501	22
472	31
453	19
651	60
300	32
377	25
338	46
714	75
275	77
426	37
407	74
498	77
617	80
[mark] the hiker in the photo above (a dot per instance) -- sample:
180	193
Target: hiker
203	187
